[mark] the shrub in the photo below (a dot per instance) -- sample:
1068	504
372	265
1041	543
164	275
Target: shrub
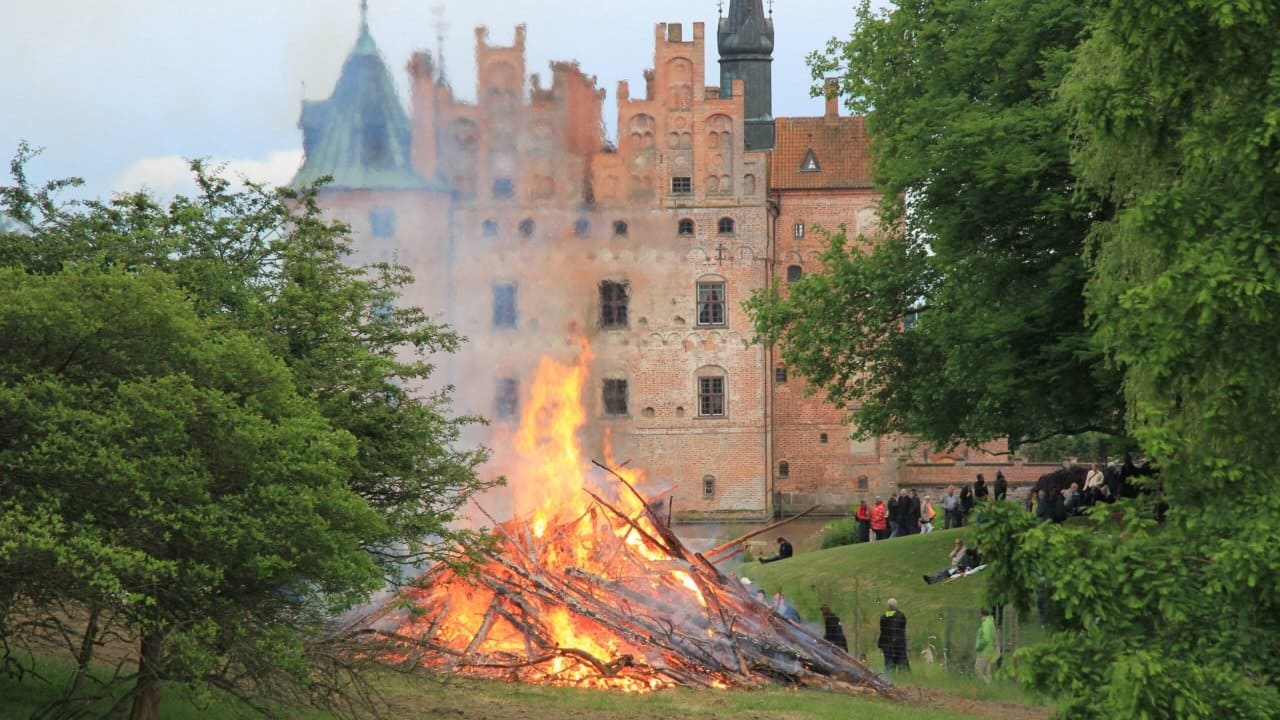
839	532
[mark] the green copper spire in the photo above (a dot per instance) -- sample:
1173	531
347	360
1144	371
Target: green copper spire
360	135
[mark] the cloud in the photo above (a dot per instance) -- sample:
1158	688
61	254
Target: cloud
171	175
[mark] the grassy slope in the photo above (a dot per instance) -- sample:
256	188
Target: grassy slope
862	577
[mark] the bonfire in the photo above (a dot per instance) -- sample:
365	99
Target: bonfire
588	586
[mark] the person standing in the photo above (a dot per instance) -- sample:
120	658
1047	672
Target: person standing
833	631
985	647
911	515
966	504
895	515
927	514
979	489
863	517
950	509
1001	487
880	520
893	637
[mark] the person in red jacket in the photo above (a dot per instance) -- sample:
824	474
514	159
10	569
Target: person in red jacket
880	520
863	517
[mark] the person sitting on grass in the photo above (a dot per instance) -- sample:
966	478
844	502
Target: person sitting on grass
784	551
958	554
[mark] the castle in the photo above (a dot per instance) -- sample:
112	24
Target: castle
525	229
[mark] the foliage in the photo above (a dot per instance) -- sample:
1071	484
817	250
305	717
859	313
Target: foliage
216	434
1085	447
1145	261
839	532
984	235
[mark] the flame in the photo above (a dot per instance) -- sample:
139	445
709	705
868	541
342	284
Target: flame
562	530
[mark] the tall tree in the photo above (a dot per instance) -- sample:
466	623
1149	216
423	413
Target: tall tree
265	266
1175	109
164	482
985	231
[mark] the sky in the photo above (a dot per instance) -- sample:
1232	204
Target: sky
121	93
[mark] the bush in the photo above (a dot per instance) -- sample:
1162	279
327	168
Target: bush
839	532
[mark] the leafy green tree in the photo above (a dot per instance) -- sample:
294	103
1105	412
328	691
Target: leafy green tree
1174	106
267	261
164	480
985	231
265	267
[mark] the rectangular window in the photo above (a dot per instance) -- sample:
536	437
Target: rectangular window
382	222
711	303
613	304
681	185
504	305
708	486
799	230
615	396
506	400
780	374
711	396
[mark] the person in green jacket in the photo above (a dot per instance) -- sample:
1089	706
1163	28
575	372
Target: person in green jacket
986	646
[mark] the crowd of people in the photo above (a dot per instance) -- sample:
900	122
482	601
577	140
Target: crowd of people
909	513
1056	497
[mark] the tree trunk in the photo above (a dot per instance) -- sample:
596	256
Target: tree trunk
146	696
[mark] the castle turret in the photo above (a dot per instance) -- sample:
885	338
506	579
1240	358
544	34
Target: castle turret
745	40
360	134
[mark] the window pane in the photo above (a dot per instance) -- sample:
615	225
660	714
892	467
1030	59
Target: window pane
615	397
711	396
504	305
711	303
613	304
506	401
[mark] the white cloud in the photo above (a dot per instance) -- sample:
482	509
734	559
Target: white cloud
171	175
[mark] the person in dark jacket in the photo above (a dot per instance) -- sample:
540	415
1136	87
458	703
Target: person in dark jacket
911	515
833	631
1001	487
893	637
980	489
784	551
966	505
895	514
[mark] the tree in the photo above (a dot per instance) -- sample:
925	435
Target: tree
1174	108
985	230
264	265
164	482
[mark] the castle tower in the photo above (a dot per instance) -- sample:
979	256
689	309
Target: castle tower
745	40
359	135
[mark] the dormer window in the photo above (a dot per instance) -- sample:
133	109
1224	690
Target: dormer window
810	162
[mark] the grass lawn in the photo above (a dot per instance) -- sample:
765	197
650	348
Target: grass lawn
854	580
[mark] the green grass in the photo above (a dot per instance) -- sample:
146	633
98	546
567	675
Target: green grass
854	580
857	580
413	697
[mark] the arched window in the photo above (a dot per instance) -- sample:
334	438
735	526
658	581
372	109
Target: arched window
708	486
794	272
686	227
582	227
725	226
526	227
784	469
620	228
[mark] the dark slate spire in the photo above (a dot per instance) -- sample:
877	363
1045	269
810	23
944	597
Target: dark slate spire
360	135
745	40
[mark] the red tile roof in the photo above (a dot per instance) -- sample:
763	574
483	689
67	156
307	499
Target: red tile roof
839	144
